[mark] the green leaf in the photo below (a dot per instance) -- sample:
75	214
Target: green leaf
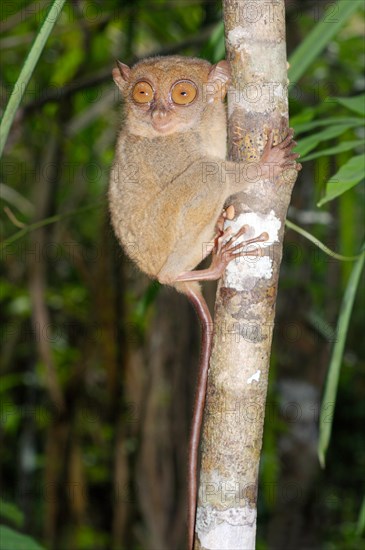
10	512
67	65
330	391
356	104
302	118
307	126
139	315
308	143
214	49
340	148
9	381
27	70
335	17
347	176
11	540
360	528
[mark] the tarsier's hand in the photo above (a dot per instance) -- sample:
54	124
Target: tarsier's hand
275	160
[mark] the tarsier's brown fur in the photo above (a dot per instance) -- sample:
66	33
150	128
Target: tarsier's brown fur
159	210
165	200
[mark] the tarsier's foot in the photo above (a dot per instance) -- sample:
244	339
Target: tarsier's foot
276	159
227	250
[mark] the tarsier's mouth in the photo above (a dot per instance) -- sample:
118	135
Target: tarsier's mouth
163	125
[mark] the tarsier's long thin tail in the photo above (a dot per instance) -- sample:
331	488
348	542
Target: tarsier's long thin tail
201	308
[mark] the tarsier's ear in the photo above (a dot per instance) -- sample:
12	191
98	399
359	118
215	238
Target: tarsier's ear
121	75
219	77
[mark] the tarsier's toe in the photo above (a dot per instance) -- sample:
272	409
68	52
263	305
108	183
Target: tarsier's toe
230	212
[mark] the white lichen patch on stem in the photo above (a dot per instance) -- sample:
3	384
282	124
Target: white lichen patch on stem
226	529
237	37
243	273
255	377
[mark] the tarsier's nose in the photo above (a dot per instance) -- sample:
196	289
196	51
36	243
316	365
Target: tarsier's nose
159	112
161	117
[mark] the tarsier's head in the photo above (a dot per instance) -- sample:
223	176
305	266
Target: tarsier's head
170	94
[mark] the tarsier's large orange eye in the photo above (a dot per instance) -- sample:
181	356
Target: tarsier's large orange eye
142	92
183	92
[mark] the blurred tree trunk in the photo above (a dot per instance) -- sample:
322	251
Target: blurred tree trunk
163	415
245	306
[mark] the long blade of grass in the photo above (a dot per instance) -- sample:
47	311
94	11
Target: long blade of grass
27	70
333	19
330	391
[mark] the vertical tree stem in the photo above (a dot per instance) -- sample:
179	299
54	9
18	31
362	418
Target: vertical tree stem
246	296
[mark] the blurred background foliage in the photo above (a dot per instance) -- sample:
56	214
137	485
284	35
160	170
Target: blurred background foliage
98	363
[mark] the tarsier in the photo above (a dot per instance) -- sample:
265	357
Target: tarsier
165	205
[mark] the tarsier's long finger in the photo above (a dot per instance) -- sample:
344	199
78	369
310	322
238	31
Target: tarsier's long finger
289	147
219	226
240	246
264	236
223	238
239	233
238	250
234	252
287	140
291	157
292	164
